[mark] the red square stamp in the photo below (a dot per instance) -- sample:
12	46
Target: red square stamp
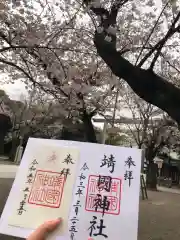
103	195
47	189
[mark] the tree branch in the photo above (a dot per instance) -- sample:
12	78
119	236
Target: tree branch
28	76
151	32
172	30
149	86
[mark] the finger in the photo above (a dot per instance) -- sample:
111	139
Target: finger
90	238
44	229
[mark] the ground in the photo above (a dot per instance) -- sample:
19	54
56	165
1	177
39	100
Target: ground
159	217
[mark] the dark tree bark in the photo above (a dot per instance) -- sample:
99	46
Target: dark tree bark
145	83
88	127
2	136
151	177
5	125
83	131
152	170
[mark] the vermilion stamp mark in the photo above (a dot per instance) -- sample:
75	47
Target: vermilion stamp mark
106	193
47	189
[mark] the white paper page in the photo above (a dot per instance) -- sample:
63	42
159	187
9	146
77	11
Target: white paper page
45	191
109	181
92	154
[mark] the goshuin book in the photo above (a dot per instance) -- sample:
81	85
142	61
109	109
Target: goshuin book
94	188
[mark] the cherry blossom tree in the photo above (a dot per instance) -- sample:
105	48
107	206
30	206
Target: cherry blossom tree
141	71
52	50
33	115
63	47
152	130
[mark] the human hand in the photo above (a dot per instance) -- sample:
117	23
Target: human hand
41	232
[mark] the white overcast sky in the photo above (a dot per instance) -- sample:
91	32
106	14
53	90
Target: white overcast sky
15	90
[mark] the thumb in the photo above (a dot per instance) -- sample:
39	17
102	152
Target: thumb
47	227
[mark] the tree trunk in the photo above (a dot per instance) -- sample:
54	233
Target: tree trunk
5	125
2	136
89	128
151	180
152	170
15	144
145	83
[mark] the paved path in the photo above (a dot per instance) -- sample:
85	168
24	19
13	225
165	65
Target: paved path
5	187
169	190
159	217
8	170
